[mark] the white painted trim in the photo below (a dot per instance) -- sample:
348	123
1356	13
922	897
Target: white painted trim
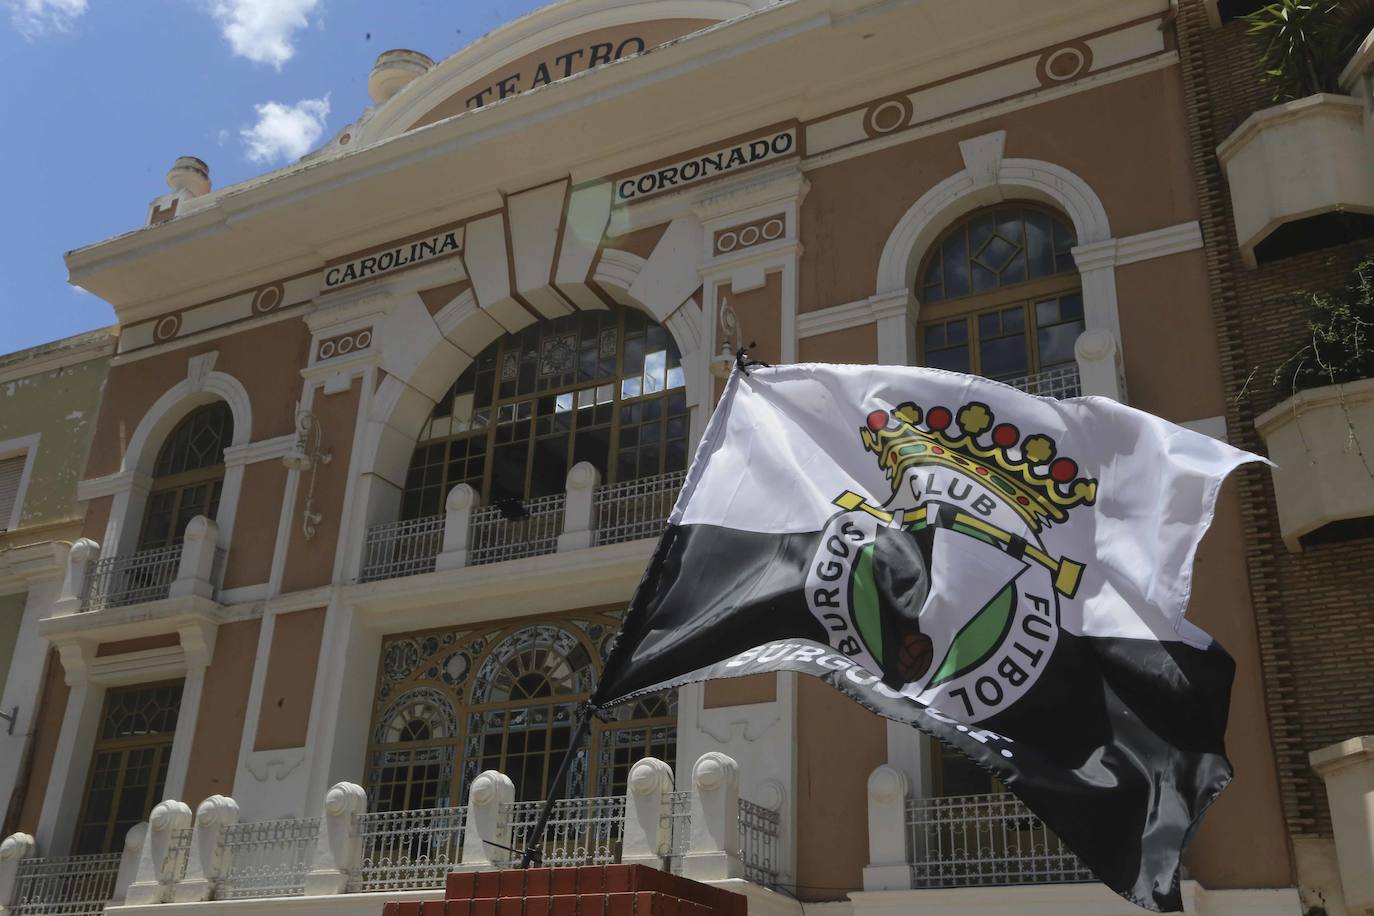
849	315
262	450
111	484
12	448
140	667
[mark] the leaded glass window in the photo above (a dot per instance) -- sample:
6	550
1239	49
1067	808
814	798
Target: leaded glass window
1000	296
188	475
606	387
129	765
452	703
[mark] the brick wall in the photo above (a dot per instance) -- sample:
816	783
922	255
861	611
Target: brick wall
1312	608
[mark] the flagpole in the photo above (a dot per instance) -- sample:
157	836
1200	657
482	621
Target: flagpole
536	840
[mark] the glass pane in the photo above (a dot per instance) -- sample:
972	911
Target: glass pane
1056	343
1039	244
956	266
955	359
1004	357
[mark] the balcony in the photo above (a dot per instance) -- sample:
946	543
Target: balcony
352	858
589	514
1058	382
146	575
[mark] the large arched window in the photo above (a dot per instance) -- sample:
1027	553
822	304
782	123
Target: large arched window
452	703
1000	297
188	475
605	387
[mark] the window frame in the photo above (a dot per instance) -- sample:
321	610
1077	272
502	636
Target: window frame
26	446
180	484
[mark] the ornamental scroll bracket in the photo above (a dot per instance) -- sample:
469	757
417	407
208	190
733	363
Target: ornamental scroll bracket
307	454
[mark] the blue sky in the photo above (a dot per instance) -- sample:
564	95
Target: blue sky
98	97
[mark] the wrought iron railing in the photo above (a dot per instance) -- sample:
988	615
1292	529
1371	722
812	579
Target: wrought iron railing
968	840
178	855
119	581
405	548
758	841
1059	382
408	850
268	858
64	886
678	811
581	831
495	537
636	509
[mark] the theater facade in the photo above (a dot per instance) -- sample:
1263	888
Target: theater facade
389	434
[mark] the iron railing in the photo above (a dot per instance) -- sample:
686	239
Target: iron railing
178	855
405	548
678	810
268	858
65	886
758	841
1059	382
119	581
969	840
636	509
495	537
408	850
581	831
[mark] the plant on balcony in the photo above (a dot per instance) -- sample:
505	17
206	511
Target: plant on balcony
1308	42
1339	348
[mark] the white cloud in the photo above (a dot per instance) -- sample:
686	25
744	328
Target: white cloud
260	30
33	18
285	132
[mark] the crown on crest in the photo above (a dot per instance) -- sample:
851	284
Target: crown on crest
1027	470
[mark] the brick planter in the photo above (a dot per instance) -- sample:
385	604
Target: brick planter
591	890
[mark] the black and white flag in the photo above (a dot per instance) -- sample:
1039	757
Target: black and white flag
1006	572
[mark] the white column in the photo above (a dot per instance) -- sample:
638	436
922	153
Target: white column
197	646
648	833
894	315
208	861
129	857
155	880
1096	264
714	853
909	750
457	527
339	849
889	865
72	758
486	832
197	559
16	848
579	510
24	685
1348	768
79	559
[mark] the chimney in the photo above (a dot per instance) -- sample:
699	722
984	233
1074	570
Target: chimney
393	71
191	175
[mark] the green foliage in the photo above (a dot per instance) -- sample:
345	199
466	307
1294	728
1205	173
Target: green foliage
1340	349
1309	42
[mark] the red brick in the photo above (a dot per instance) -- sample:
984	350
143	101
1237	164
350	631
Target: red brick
483	906
408	909
591	879
510	906
433	908
739	905
564	881
620	904
460	885
591	905
459	907
538	882
390	909
563	905
621	878
488	885
512	882
537	905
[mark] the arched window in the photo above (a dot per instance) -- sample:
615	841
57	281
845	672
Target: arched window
188	475
600	386
1000	297
452	703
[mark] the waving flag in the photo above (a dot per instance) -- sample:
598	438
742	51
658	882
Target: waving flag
1006	572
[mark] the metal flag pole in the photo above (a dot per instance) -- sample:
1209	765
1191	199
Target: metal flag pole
534	846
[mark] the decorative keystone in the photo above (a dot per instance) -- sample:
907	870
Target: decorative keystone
208	859
486	832
134	841
714	853
462	499
888	867
648	827
16	848
157	865
339	849
579	509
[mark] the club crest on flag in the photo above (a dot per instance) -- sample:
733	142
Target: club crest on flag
947	586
